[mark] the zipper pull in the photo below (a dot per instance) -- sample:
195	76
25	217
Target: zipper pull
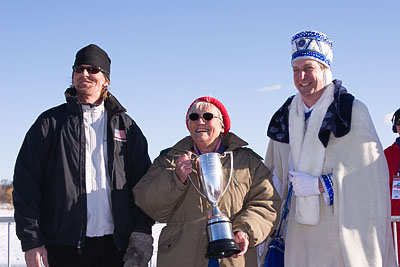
79	248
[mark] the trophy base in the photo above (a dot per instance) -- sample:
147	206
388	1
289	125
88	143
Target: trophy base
222	248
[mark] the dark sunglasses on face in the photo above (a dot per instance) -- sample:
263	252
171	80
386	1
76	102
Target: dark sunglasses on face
206	116
89	69
397	123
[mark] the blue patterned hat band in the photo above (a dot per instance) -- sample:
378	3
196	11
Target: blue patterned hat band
312	45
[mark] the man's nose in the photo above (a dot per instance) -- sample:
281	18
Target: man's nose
85	72
301	75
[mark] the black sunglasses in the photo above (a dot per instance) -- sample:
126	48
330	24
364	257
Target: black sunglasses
397	123
90	69
206	116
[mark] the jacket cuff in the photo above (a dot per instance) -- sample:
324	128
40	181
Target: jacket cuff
250	237
179	184
327	184
30	245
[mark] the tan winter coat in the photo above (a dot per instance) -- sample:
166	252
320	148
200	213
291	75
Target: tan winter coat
250	201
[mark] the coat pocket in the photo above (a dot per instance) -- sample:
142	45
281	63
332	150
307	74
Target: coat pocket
169	238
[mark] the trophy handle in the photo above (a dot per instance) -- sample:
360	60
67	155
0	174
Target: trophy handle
194	157
195	187
231	172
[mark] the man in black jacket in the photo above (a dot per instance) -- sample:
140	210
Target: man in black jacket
74	176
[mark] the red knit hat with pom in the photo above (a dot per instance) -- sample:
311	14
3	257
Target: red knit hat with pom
219	105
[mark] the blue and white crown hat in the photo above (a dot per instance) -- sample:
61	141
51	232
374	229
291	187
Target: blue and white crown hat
312	45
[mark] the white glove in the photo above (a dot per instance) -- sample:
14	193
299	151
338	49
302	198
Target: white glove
304	184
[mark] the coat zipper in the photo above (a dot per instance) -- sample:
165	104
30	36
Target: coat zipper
81	179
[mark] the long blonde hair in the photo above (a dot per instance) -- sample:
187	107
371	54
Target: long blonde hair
104	90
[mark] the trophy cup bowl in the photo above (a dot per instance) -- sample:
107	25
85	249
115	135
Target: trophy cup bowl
219	228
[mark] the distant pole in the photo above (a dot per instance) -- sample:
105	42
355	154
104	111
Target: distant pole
395	219
9	245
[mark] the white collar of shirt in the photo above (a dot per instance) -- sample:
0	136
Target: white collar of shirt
307	109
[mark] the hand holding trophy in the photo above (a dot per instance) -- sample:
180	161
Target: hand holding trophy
183	166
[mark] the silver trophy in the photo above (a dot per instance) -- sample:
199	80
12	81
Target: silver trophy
219	228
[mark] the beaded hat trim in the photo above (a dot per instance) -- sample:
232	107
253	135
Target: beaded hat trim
312	45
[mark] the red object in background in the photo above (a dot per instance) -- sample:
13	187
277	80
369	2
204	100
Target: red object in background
392	155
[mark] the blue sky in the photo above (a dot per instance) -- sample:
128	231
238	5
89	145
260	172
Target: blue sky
165	54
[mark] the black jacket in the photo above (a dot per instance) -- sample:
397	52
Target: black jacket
49	177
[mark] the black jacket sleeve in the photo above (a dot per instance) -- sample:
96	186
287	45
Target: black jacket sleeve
139	162
28	181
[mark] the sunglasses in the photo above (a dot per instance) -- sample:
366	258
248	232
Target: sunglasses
90	69
397	123
206	116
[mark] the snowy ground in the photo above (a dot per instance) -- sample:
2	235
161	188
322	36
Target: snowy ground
16	254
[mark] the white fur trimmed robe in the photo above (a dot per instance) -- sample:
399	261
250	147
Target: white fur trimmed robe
355	230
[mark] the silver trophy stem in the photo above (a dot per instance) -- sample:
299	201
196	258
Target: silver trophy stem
216	211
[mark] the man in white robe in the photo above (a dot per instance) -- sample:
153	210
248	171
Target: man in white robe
323	141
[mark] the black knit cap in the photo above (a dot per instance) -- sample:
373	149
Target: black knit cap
396	117
94	55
